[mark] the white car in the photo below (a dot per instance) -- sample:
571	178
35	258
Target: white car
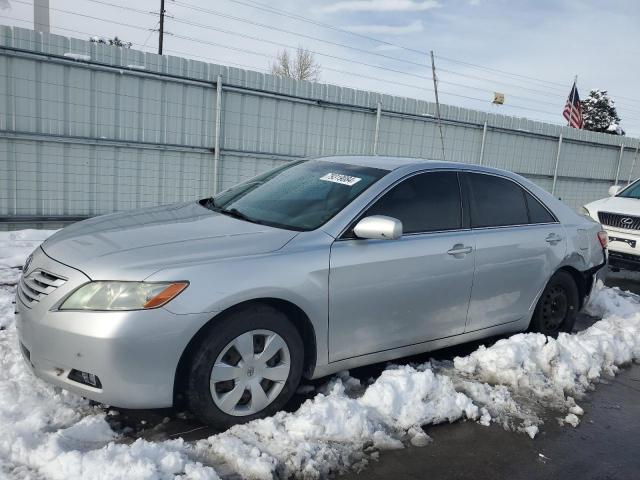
620	216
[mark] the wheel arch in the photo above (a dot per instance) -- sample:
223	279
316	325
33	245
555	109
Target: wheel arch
583	280
294	313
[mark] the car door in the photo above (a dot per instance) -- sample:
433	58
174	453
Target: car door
385	294
519	244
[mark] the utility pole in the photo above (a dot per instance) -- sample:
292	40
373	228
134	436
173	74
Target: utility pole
41	16
160	37
435	89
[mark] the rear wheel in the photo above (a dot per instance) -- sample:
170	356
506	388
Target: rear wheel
247	366
557	306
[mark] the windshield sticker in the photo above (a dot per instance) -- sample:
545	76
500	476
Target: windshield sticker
341	179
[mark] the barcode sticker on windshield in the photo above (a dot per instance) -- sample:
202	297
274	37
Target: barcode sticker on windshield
339	178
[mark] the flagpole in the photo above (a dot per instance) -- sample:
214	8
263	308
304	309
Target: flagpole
573	98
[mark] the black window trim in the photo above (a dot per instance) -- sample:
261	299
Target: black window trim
465	220
467	194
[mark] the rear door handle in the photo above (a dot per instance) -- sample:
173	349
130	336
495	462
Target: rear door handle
553	238
459	249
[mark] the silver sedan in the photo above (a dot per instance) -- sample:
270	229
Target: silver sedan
316	266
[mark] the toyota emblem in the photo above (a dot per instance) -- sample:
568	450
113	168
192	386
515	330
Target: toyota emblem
626	220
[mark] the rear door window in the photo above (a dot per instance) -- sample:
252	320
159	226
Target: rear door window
495	201
426	202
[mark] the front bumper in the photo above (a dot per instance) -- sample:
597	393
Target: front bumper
134	354
625	261
623	248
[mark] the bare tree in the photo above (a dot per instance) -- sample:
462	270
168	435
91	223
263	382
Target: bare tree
302	67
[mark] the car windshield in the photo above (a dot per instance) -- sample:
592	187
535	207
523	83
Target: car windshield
300	195
631	192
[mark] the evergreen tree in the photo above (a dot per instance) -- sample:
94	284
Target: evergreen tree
599	113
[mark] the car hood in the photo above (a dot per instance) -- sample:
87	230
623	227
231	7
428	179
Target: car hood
621	205
133	245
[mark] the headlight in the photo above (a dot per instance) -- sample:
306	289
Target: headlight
585	212
122	295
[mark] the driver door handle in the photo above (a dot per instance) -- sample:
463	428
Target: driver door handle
459	249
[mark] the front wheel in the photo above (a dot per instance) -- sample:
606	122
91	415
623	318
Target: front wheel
247	366
557	307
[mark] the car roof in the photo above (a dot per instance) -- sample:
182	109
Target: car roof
408	163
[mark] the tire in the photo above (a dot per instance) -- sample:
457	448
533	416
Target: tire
557	307
252	331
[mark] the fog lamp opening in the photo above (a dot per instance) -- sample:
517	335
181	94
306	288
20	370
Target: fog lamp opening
85	378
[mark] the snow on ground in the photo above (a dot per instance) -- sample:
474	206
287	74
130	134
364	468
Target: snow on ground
17	245
49	433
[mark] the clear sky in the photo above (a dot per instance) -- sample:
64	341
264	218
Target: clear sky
541	44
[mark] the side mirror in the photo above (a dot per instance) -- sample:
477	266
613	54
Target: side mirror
378	227
614	190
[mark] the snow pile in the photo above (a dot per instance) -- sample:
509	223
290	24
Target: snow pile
335	433
16	246
50	433
504	383
80	57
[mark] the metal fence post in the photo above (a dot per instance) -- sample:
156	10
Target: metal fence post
555	170
216	151
484	136
377	133
619	163
633	165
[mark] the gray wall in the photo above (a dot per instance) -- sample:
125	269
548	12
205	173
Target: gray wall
119	129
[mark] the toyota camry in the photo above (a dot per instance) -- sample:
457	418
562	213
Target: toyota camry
319	265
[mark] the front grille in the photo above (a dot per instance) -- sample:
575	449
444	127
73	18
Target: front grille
628	222
37	285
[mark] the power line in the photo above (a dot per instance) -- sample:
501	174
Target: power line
209	27
298	34
243	20
230	32
284	13
336	57
503	72
197	40
266	8
332	56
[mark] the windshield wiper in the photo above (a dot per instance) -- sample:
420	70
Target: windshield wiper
210	203
235	213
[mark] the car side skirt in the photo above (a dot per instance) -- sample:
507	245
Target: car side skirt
387	355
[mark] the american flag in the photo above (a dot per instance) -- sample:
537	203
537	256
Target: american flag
573	109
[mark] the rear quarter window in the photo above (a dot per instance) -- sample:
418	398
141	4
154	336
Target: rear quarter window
537	212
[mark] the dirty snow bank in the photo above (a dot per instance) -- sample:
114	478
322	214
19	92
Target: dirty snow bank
335	432
551	369
54	434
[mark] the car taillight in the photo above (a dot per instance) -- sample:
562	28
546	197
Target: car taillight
603	238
